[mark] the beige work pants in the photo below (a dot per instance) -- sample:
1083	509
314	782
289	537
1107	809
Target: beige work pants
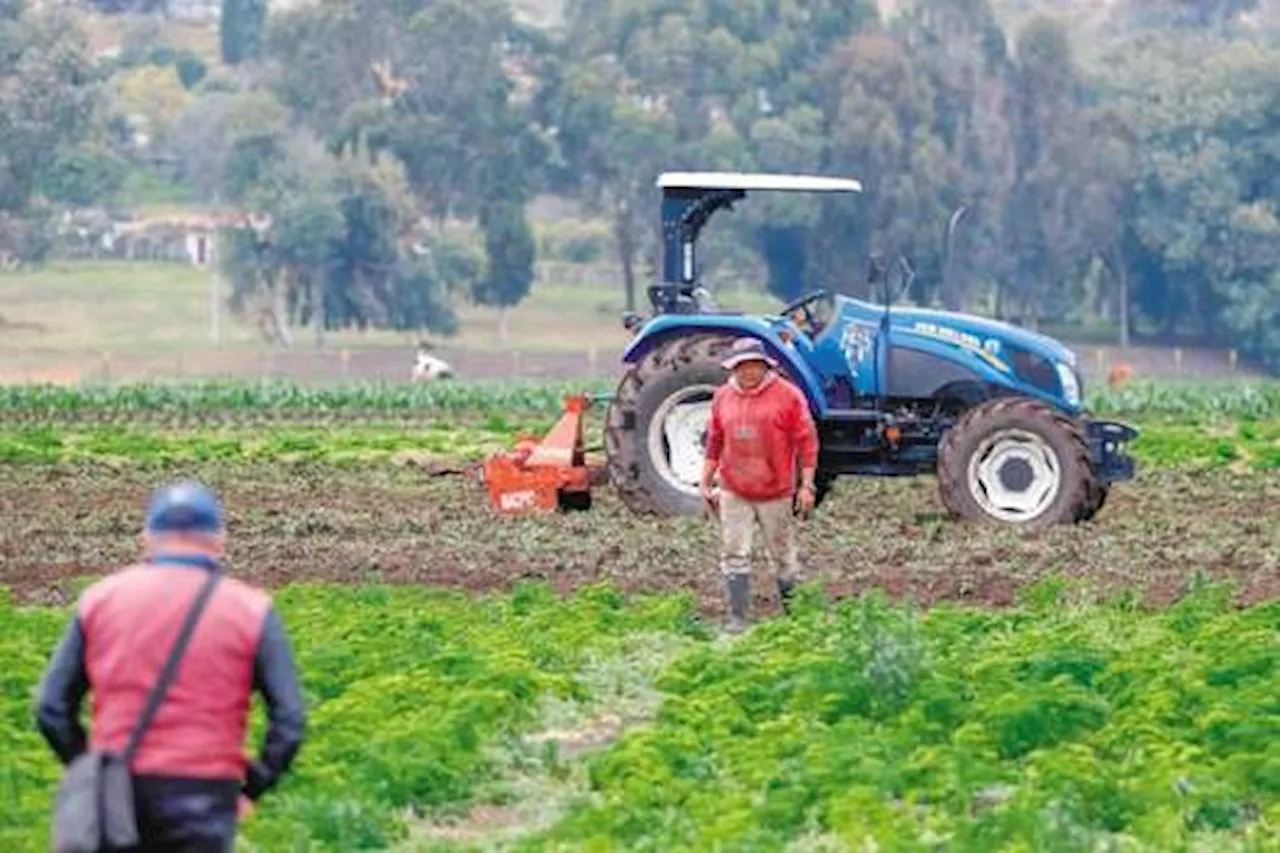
738	520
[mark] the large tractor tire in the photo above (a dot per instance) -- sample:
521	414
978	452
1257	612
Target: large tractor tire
656	426
1019	462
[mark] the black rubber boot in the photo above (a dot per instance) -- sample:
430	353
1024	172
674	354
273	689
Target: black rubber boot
786	589
739	589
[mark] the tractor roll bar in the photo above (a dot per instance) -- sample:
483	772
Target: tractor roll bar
689	199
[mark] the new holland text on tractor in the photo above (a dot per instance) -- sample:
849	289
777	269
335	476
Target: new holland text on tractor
996	411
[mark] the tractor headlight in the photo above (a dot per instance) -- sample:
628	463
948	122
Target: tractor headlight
1070	384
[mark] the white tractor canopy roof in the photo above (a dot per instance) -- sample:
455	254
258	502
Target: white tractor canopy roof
757	181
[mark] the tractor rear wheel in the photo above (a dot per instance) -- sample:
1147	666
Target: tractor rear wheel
656	426
1020	462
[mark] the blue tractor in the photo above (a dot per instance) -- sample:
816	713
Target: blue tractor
995	411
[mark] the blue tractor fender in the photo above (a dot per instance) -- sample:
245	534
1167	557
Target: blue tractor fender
665	327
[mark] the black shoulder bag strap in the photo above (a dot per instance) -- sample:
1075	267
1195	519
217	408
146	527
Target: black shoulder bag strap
170	670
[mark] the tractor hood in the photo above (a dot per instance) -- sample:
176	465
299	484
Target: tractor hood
984	329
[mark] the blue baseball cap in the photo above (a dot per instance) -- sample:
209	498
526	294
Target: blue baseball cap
184	507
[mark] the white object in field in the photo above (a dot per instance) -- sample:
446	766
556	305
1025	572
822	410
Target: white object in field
758	181
428	367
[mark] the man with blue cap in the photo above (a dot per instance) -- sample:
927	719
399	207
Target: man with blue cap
191	777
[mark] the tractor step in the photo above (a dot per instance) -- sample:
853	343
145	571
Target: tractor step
1106	440
857	416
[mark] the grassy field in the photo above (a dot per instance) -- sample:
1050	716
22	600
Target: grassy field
128	308
527	721
558	682
58	322
123	321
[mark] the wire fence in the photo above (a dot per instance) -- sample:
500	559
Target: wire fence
332	365
311	366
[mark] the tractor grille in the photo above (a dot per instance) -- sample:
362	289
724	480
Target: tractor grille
1036	370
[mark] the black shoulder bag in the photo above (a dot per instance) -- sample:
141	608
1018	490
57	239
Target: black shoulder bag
94	808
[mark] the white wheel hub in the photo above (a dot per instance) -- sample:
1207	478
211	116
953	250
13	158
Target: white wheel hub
1014	475
678	437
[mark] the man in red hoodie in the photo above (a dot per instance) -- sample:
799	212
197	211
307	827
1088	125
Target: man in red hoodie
760	425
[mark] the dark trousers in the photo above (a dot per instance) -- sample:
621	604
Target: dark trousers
188	815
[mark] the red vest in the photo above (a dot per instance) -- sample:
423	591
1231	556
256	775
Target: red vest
130	621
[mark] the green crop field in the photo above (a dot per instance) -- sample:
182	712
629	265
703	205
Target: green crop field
1210	424
559	682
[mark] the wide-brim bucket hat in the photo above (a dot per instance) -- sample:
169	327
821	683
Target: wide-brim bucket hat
747	349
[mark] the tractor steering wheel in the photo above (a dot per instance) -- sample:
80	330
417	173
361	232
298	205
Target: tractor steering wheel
802	305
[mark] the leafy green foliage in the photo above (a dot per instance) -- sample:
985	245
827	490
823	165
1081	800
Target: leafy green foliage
49	109
407	690
191	68
1055	727
1050	726
332	249
510	249
1201	231
240	29
1188	402
267	398
1196	425
444	110
268	443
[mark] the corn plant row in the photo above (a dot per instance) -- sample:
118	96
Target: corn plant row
245	403
1255	400
265	418
1251	445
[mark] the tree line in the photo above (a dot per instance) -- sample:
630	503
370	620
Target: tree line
1117	174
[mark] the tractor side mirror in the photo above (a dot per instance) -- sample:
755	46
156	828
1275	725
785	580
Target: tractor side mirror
875	270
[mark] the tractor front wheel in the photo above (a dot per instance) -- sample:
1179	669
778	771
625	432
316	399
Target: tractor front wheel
1019	462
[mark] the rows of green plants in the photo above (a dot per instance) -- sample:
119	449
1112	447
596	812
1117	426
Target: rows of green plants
1051	726
292	443
274	400
1189	401
1248	444
411	694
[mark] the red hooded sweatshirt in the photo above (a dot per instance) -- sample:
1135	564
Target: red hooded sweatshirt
755	437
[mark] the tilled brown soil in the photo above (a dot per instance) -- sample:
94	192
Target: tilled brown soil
328	524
